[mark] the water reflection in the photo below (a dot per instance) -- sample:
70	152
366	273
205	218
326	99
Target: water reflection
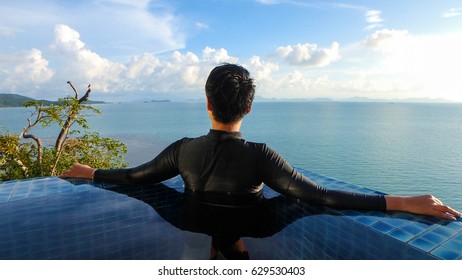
225	218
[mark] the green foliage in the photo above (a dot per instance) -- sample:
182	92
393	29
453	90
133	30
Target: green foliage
20	158
13	156
94	150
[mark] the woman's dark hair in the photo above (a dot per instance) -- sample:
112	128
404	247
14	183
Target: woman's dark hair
230	91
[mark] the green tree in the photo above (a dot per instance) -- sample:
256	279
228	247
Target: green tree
20	159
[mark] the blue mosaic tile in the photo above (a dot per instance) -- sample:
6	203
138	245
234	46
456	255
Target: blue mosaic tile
453	245
367	220
458	237
446	254
402	235
415	228
395	222
433	237
444	231
382	227
423	244
456	225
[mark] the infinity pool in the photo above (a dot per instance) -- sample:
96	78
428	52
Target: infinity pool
52	218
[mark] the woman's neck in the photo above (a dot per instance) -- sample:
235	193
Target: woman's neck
231	127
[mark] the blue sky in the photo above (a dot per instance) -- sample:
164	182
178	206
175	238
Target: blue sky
136	49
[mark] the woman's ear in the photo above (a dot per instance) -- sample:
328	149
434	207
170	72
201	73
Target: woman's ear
207	102
249	110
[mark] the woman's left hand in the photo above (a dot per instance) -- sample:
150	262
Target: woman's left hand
79	171
425	204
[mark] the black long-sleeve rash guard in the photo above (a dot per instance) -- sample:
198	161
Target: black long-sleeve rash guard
223	162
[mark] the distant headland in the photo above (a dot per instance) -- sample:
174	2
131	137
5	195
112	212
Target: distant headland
16	100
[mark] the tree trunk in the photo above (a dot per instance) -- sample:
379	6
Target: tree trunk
70	118
37	140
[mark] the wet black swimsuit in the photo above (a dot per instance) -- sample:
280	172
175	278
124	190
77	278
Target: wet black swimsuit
223	162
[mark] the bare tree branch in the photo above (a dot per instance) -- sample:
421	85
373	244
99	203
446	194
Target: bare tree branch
86	96
39	112
70	119
73	88
31	125
39	145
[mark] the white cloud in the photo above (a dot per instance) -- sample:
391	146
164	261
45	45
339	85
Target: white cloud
406	65
386	39
389	63
217	56
261	70
72	59
433	61
186	72
453	12
309	54
373	18
141	66
202	25
180	71
33	67
142	73
119	28
400	65
67	38
82	65
24	69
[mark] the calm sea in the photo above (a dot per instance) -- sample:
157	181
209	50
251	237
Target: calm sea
398	148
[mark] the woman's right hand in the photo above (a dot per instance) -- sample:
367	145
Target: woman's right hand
78	170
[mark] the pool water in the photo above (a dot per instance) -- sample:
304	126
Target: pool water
53	218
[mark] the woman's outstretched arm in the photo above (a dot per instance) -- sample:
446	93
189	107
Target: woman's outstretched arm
162	167
283	178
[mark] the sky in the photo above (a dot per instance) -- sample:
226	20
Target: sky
164	49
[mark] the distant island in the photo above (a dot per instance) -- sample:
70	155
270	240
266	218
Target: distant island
155	101
16	100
